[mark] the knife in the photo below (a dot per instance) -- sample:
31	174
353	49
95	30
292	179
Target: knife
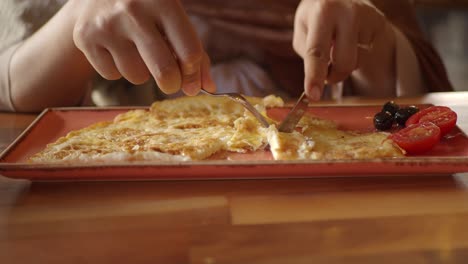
289	123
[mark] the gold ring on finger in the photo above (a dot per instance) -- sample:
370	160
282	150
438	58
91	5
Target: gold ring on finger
366	47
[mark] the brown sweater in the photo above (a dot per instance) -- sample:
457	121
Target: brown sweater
265	28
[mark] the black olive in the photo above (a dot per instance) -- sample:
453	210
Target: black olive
404	113
383	120
391	107
413	109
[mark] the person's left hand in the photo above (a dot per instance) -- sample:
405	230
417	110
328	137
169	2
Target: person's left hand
333	31
136	38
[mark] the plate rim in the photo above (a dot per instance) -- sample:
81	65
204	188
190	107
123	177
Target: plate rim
458	161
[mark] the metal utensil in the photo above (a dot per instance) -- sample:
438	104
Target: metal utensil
237	97
294	116
289	123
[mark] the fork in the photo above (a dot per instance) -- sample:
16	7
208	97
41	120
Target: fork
237	97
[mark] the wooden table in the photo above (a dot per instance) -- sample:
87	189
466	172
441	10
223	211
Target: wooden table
405	219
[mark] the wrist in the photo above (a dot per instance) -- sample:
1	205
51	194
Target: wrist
72	10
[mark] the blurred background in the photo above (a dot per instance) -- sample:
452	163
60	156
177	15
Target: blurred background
446	25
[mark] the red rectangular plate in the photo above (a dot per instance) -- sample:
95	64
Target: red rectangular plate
448	157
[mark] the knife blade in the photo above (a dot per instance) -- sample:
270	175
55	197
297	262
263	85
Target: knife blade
294	116
289	123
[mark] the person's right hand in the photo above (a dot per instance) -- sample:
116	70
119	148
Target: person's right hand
133	38
335	37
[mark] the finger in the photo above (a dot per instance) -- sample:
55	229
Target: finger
344	53
158	57
316	56
371	22
185	43
102	61
300	31
366	38
87	40
129	62
207	81
131	22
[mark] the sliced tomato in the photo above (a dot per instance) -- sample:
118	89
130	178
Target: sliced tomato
417	138
442	116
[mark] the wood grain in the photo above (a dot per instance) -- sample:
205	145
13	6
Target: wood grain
404	219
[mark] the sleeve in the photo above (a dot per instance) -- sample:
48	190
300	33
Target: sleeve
5	96
409	34
12	31
19	20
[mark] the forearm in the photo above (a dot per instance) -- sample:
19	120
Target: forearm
47	69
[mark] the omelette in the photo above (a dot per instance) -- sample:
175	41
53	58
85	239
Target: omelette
196	128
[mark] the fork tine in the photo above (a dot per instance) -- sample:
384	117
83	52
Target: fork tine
237	97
